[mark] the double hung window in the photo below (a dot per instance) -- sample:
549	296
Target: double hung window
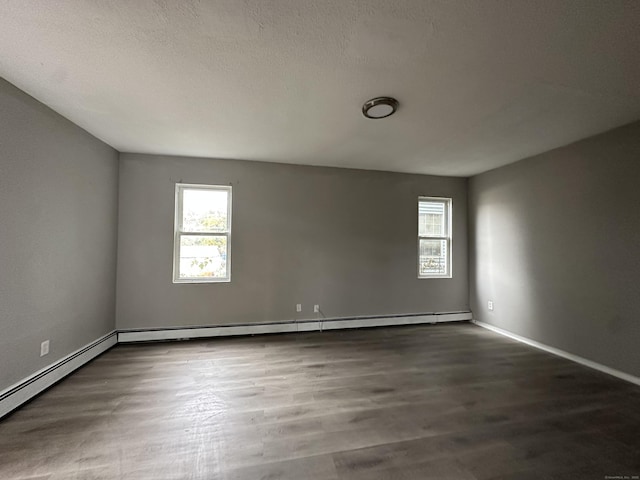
434	237
202	234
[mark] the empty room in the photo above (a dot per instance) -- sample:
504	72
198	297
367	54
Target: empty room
319	240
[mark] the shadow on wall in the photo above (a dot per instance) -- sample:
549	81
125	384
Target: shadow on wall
555	240
506	250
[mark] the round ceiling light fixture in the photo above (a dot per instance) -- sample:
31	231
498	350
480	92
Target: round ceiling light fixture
380	107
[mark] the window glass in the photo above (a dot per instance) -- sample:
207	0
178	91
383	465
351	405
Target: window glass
202	234
434	237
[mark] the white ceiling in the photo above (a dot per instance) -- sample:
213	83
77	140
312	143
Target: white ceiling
480	83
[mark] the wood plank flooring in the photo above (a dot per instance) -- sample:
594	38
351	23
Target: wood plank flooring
423	402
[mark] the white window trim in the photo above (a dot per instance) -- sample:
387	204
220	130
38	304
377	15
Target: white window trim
448	212
178	233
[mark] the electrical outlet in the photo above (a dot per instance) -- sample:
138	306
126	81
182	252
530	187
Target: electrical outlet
44	348
316	308
490	305
298	307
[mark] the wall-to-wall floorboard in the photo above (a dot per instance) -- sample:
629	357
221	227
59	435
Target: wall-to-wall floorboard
554	243
343	239
58	221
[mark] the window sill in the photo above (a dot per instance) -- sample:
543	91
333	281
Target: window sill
200	280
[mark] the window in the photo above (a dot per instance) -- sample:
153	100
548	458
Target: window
202	239
434	237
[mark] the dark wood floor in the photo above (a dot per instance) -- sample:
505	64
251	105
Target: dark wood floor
426	402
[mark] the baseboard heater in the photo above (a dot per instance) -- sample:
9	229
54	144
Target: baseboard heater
180	333
23	391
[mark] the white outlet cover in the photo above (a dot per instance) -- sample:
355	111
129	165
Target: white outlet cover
44	348
316	308
298	307
490	305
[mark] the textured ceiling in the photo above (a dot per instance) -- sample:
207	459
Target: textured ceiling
480	83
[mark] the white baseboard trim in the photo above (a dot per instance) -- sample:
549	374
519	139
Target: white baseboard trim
14	396
139	335
562	353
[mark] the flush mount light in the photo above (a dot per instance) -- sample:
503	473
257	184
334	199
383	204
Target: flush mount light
380	107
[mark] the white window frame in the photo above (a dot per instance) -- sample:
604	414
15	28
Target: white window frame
179	233
448	213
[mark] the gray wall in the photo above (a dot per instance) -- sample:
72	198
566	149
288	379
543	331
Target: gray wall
344	239
58	221
555	244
